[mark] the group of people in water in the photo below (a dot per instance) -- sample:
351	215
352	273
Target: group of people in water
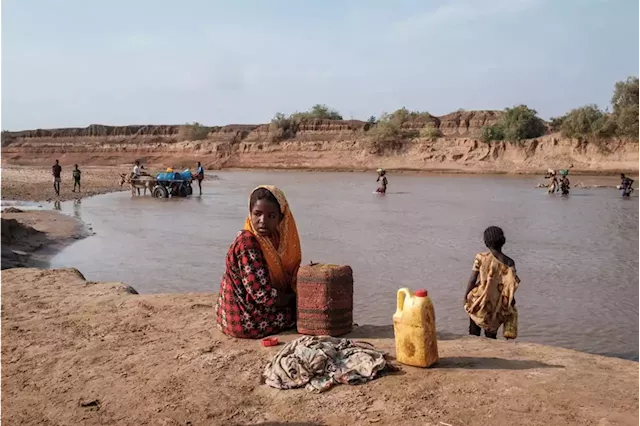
257	294
554	185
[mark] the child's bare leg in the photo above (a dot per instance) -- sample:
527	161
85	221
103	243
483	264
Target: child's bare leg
474	329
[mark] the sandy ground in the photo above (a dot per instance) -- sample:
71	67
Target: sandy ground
78	352
36	183
29	238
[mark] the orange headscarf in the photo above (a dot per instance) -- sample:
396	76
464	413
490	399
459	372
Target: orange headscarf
284	261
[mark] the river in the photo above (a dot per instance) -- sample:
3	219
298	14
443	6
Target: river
577	256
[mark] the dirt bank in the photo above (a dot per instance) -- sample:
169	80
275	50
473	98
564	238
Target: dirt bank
36	183
30	238
78	352
320	144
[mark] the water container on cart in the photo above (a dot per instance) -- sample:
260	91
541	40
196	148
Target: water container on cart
186	175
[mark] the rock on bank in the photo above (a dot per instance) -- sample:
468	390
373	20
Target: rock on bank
79	352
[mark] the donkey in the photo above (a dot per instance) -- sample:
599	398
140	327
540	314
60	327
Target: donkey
141	182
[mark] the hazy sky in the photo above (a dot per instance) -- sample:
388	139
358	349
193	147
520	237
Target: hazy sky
79	62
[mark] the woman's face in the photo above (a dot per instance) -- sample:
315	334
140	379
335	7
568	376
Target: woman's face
265	217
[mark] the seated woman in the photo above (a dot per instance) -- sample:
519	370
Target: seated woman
257	291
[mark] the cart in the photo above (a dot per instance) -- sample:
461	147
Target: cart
173	184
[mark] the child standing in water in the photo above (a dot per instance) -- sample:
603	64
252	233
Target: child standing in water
382	174
489	298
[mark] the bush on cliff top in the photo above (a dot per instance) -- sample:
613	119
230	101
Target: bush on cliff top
193	132
389	133
517	123
625	107
285	127
318	112
591	123
587	122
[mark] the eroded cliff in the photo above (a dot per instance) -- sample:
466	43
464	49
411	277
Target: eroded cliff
318	144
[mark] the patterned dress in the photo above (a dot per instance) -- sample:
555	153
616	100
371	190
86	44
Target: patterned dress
491	303
246	303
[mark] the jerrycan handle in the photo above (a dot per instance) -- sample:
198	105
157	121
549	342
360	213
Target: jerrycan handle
403	293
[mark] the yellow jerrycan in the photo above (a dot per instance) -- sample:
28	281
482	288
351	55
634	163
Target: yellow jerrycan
414	327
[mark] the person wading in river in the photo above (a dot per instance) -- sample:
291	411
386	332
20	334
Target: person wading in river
200	176
489	299
626	185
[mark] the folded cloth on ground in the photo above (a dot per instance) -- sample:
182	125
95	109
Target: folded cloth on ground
320	362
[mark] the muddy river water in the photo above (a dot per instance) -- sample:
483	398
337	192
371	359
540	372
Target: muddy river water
577	256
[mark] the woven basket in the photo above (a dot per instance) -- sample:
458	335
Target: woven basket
325	300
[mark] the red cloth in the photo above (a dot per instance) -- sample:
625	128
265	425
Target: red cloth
246	303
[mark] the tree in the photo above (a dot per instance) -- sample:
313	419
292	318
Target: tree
323	112
517	123
587	122
625	107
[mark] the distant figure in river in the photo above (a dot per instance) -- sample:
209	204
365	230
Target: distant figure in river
382	178
553	183
76	179
626	185
489	299
564	185
56	171
200	176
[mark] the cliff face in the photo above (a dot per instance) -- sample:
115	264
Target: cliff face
317	144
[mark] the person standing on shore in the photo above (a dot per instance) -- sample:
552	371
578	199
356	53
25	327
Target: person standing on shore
56	171
489	298
76	179
200	176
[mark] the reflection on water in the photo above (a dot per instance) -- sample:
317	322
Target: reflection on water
577	256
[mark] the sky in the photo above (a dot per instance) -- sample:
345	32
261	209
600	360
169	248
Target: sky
72	63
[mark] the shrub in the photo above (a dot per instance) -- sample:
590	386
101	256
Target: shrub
282	127
492	133
430	133
193	132
388	133
317	112
625	107
516	124
555	123
587	122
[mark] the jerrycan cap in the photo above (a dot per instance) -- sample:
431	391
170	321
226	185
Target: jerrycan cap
421	293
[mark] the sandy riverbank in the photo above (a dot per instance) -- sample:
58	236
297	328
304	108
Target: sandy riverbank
92	353
36	183
30	238
78	352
